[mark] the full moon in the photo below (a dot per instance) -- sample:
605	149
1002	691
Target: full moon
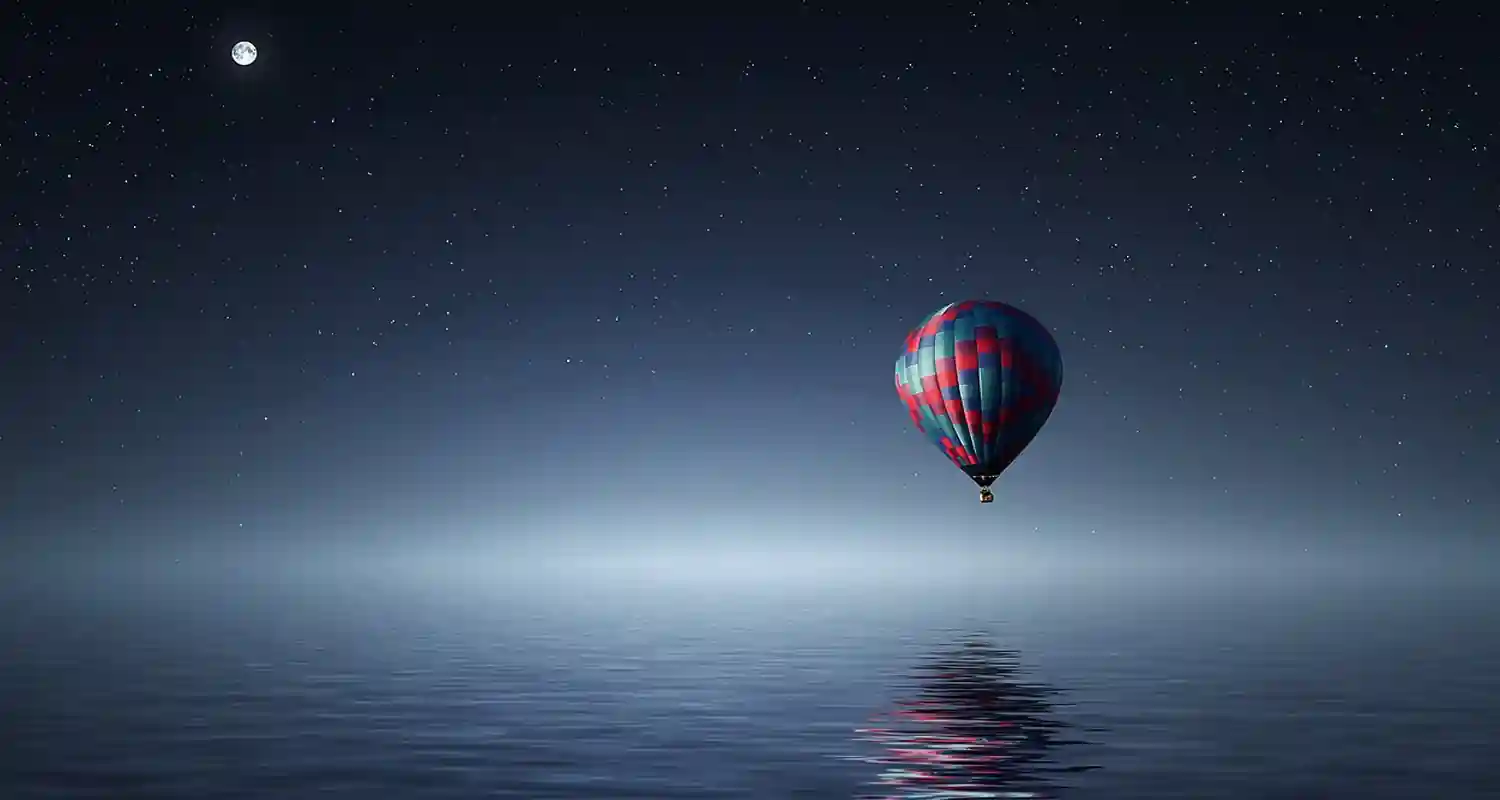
243	54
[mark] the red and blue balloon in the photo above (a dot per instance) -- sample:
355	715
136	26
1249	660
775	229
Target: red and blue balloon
980	379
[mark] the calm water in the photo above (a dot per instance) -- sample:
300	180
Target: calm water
202	687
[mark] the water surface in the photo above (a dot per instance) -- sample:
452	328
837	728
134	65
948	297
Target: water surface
204	683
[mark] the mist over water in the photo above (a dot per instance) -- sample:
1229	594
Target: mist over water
722	673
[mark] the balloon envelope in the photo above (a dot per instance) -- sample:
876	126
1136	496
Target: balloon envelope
980	379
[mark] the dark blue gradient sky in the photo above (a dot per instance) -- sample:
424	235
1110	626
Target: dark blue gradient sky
621	285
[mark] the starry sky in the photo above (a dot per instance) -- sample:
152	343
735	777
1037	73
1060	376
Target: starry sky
614	281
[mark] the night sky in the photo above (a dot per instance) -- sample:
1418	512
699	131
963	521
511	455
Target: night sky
460	281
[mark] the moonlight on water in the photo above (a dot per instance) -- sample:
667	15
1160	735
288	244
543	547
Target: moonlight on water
243	54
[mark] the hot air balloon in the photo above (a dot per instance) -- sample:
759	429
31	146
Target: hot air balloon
980	378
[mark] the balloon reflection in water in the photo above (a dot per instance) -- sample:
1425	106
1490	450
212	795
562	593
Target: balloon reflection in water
974	730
